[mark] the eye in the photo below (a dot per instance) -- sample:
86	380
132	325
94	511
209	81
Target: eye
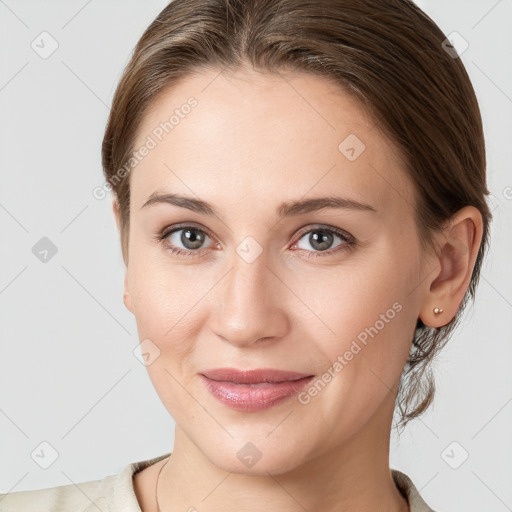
322	240
183	240
188	240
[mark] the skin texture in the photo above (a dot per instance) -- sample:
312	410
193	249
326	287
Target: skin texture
253	142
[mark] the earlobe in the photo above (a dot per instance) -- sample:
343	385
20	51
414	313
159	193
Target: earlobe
115	210
458	248
127	298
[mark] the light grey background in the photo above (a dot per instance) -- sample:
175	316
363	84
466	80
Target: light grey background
68	373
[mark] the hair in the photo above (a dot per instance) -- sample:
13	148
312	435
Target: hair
387	54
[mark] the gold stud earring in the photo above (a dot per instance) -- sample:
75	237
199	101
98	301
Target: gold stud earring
437	311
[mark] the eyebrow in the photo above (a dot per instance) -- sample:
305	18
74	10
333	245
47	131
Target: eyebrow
288	208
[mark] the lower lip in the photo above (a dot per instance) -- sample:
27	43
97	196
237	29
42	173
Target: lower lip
253	397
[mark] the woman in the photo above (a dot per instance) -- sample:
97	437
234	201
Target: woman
300	192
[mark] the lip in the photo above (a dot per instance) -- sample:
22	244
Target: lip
253	390
256	376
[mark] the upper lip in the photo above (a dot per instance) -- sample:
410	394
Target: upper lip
252	376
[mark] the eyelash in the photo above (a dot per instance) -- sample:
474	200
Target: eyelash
348	240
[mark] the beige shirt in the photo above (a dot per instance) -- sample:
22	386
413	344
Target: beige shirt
115	493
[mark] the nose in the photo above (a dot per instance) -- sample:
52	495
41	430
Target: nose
250	304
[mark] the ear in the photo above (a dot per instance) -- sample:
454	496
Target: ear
127	298
458	246
115	209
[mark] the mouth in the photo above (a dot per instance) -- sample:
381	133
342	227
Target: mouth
253	390
257	376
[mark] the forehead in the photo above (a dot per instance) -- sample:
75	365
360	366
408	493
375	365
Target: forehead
273	136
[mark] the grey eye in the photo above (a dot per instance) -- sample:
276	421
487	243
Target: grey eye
190	238
320	239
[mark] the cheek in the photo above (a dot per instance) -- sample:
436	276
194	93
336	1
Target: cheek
371	314
168	313
373	323
359	290
167	304
161	292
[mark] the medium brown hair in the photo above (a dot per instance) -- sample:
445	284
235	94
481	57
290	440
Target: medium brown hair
388	54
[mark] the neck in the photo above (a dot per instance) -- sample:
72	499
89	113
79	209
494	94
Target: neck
353	475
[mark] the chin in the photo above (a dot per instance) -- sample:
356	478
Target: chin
256	455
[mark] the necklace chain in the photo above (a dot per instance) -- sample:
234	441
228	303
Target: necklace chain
156	486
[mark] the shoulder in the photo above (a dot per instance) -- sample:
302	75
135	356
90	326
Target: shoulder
76	497
408	490
113	493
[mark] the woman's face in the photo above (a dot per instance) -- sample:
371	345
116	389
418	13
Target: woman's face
332	292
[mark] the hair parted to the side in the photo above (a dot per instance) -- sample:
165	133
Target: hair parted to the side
387	54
